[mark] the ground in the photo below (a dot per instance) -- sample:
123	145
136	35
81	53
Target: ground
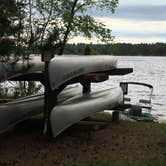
123	143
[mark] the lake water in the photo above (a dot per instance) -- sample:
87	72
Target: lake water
150	70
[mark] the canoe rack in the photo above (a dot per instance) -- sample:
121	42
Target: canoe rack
56	77
85	81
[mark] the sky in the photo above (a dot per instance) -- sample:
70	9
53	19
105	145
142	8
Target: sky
134	21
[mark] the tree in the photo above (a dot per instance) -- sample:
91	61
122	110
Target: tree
9	13
87	50
51	23
77	22
34	25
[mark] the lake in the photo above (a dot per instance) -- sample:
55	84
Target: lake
150	70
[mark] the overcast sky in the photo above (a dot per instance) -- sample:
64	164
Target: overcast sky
136	21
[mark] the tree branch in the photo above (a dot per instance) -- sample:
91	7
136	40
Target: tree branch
46	24
68	28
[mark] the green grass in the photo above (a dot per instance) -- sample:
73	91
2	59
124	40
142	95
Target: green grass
102	116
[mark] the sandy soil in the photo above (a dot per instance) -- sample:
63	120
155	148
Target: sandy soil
118	142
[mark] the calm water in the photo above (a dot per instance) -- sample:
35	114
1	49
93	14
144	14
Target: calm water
151	70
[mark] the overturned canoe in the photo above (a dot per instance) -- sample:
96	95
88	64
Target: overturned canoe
61	68
12	70
79	107
65	68
24	108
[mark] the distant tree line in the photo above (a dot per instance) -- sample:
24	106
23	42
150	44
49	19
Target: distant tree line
157	49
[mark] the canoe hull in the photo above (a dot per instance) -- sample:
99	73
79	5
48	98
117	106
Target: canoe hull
14	112
82	106
65	68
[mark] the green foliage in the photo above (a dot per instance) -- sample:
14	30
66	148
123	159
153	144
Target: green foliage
29	26
6	48
9	14
51	23
88	27
60	20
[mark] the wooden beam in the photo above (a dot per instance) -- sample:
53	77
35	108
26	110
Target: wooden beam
28	77
120	71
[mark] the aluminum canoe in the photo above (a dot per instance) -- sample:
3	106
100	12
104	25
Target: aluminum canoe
61	68
65	68
79	107
11	70
24	108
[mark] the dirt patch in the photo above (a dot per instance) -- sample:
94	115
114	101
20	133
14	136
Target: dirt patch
25	145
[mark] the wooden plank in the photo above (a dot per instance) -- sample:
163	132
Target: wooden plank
36	76
120	71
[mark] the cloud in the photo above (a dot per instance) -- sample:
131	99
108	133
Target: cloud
80	39
136	40
134	12
131	31
150	12
139	30
135	21
142	2
128	26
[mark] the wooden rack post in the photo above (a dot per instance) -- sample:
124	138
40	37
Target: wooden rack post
48	93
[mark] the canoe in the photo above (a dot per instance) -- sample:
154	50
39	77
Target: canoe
61	68
11	70
65	68
81	106
14	112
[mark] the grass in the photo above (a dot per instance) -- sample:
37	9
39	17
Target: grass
119	144
102	116
143	135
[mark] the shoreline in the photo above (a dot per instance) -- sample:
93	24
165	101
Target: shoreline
123	143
